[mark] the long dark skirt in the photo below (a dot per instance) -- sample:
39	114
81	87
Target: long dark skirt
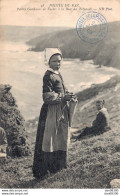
46	161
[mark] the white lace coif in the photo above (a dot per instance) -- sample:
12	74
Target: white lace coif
48	52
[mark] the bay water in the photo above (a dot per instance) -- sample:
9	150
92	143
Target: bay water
24	71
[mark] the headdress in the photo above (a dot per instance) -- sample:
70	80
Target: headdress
49	52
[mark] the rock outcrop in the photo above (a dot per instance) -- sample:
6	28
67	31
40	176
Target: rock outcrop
13	123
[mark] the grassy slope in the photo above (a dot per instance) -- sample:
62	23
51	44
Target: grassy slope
105	52
92	162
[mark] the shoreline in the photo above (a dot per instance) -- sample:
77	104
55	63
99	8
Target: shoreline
87	87
28	66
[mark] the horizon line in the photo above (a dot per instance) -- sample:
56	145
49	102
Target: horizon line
48	26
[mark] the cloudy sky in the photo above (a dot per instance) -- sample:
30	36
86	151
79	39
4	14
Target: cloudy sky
14	12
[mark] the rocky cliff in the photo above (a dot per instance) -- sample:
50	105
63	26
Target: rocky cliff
73	47
13	123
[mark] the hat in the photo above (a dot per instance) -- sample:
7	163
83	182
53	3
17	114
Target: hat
49	52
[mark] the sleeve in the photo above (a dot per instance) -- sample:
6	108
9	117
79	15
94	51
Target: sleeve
48	83
100	121
66	90
49	95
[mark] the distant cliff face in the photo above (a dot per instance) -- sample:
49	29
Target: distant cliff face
106	52
13	124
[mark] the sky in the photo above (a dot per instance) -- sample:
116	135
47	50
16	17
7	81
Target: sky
14	12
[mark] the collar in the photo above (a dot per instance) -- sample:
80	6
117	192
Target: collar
103	110
54	71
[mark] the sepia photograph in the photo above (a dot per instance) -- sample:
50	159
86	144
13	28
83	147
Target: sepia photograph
59	95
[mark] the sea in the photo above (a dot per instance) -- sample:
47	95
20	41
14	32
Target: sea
24	71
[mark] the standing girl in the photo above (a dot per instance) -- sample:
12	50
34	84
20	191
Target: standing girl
53	126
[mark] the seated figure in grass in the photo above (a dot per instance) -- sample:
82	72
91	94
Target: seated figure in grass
3	143
100	124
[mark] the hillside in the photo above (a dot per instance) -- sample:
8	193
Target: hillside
92	162
105	52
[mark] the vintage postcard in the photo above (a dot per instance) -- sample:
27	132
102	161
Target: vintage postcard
59	95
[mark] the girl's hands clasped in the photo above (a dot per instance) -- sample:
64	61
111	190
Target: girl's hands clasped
69	96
